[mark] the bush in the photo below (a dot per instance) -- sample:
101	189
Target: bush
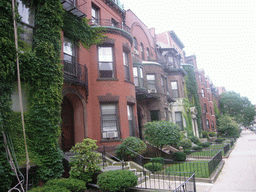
132	143
227	126
185	143
154	167
53	188
157	160
73	185
118	180
194	139
207	144
205	134
212	134
187	151
179	156
197	148
219	140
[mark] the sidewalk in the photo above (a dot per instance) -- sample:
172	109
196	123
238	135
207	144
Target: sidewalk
239	172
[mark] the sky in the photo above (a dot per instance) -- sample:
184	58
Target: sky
221	33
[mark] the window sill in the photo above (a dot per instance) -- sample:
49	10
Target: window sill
107	79
104	140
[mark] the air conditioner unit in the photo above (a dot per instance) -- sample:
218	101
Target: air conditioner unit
136	52
152	90
111	134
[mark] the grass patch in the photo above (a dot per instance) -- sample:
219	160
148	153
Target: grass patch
210	153
200	168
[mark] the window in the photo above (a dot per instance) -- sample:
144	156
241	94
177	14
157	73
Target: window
178	119
142	51
175	91
135	75
138	76
212	125
106	64
207	124
135	43
130	119
154	114
205	108
69	56
200	78
166	86
166	113
148	54
211	110
109	121
202	91
27	19
95	15
126	65
151	79
163	84
114	23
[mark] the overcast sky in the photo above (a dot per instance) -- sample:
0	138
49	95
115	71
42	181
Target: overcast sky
221	33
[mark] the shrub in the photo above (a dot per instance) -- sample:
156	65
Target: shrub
207	144
53	188
187	151
219	140
227	126
205	134
157	160
179	156
118	180
132	143
71	184
185	143
154	167
197	147
85	163
212	134
194	139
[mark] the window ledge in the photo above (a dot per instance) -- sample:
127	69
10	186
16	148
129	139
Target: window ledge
110	140
107	79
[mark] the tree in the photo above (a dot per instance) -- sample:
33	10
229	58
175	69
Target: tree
160	133
227	126
231	103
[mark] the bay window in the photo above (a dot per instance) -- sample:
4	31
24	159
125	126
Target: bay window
106	63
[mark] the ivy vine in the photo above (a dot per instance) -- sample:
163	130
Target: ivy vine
192	93
41	70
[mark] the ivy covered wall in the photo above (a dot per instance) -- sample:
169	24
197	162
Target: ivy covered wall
192	93
41	72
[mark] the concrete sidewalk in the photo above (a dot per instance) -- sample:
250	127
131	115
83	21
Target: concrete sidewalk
239	172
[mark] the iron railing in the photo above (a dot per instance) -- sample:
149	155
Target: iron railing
109	23
214	162
207	154
226	148
188	185
75	73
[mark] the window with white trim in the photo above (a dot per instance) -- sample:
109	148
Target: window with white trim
178	119
126	65
106	63
130	120
109	121
95	15
151	79
175	90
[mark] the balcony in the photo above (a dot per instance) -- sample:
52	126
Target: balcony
112	26
73	7
75	73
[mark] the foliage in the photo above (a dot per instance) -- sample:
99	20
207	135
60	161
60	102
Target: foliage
194	139
185	143
219	140
133	143
118	180
228	126
216	112
205	134
157	160
153	167
85	163
192	93
53	188
187	151
80	31
197	148
187	116
160	133
212	134
7	76
232	104
71	184
207	144
179	156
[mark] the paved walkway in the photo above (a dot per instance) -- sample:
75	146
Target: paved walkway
239	172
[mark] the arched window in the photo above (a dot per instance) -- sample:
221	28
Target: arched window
207	124
148	54
142	51
135	43
202	92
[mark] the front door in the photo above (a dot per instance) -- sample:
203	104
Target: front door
67	116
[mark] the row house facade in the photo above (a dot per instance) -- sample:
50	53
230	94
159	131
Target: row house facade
207	95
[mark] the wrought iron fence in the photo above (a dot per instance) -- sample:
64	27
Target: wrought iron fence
214	162
207	154
226	148
188	185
